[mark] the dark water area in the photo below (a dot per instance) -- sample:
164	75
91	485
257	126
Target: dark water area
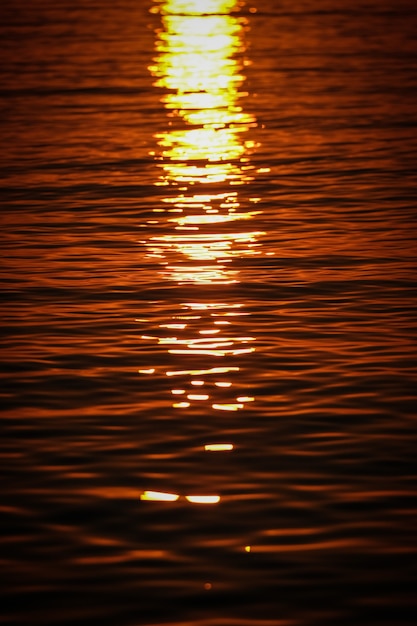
208	235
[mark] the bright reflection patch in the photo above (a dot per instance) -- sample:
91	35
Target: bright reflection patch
199	65
205	226
159	496
218	447
203	499
212	370
197	7
227	407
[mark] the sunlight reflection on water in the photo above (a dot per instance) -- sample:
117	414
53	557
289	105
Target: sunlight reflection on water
200	62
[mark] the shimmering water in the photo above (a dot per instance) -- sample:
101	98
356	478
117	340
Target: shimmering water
209	311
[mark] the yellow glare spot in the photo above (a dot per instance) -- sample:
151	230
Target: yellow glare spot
159	496
181	405
177	392
151	370
218	447
197	383
203	499
247	548
245	399
221	384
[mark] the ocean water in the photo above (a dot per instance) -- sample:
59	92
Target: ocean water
209	312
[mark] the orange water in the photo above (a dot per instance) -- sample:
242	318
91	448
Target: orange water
209	370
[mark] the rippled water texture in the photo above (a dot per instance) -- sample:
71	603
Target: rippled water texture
209	312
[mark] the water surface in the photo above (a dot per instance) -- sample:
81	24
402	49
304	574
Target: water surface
208	267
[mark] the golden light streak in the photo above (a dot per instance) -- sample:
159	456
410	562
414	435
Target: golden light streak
228	407
197	7
187	317
213	219
205	343
159	496
213	352
203	499
209	275
174	326
194	396
212	370
208	306
218	447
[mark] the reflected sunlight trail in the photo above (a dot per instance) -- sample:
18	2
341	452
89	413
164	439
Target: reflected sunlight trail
202	226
